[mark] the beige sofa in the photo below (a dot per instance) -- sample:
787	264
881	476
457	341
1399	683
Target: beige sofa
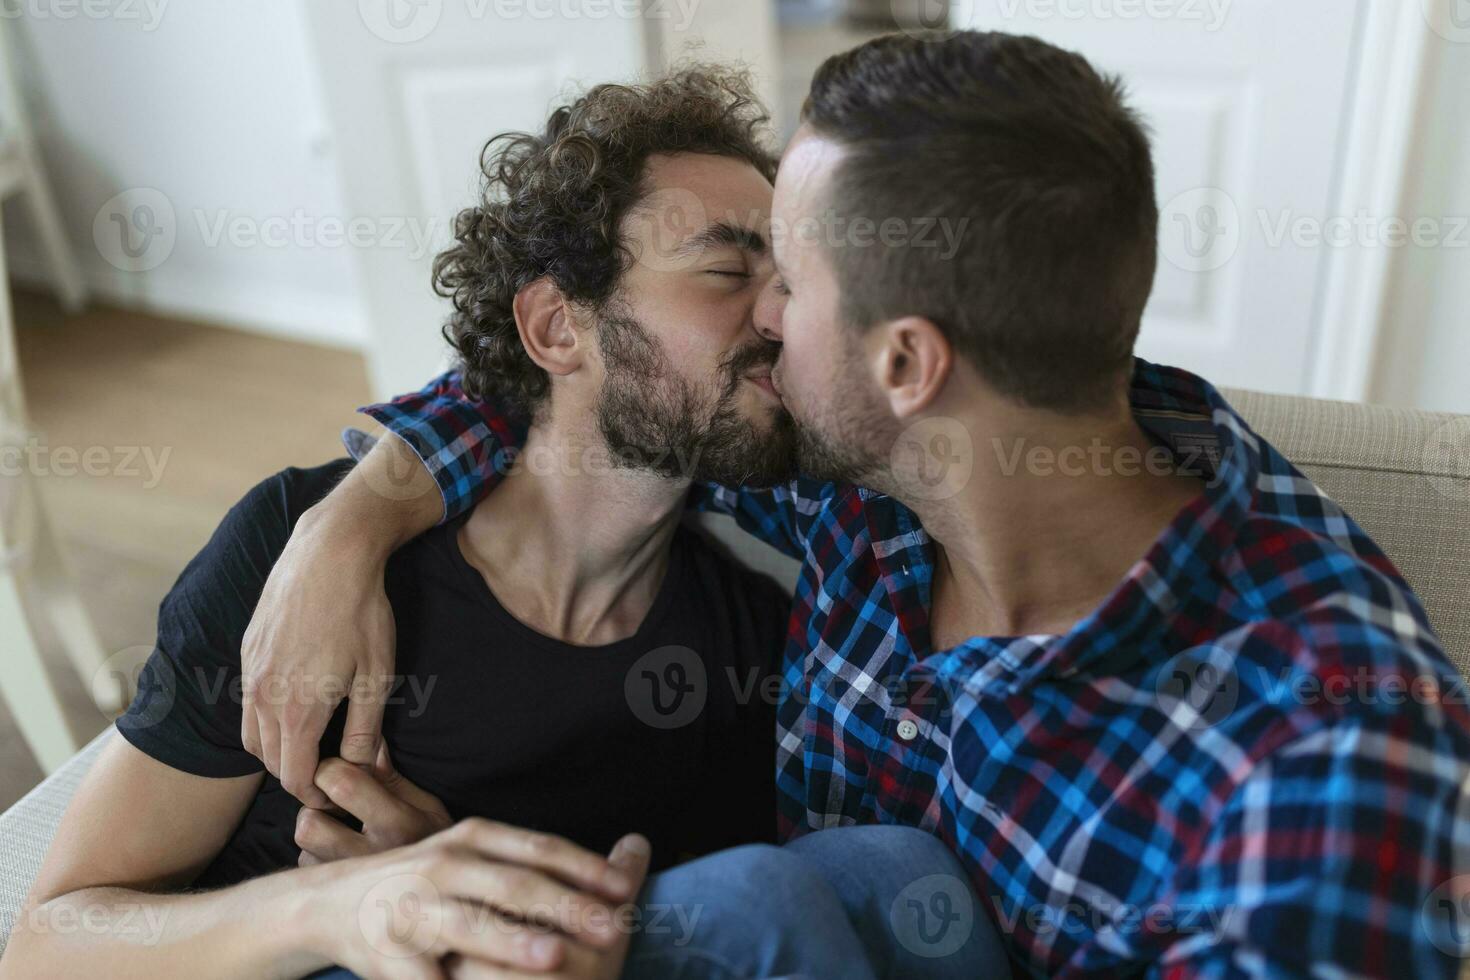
1404	475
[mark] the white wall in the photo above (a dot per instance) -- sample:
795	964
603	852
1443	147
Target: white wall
213	105
216	106
1424	355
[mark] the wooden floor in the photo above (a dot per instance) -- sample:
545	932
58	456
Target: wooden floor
217	409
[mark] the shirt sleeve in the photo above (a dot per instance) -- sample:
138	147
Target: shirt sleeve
188	706
1343	854
781	516
468	445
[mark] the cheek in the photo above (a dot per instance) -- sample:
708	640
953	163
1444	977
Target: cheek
808	369
811	344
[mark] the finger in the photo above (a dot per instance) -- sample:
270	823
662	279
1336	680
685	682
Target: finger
364	726
357	792
405	968
462	968
632	854
306	859
250	728
301	733
270	743
547	852
400	786
490	944
383	763
459	968
327	839
525	894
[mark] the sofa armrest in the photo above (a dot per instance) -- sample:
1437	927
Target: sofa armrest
26	830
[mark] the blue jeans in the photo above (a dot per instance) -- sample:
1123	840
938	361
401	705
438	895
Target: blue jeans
858	903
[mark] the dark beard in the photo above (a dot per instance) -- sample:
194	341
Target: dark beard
845	443
653	419
822	459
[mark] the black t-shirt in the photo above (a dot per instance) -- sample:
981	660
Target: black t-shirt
670	733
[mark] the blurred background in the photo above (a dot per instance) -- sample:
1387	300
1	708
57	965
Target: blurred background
219	220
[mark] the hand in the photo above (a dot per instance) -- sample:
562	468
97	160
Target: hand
326	604
323	627
489	895
580	962
393	811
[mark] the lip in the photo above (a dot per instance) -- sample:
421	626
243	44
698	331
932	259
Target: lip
763	381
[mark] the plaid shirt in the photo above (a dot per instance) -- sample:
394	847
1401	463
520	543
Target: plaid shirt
1250	760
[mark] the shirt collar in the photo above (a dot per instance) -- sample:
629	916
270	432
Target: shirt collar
1181	411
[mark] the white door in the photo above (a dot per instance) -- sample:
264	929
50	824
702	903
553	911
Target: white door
413	89
1248	101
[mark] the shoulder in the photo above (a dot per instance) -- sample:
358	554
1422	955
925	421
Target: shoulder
1355	656
268	511
716	571
290	492
1329	603
232	566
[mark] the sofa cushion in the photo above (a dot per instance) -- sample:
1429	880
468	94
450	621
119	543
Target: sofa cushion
1403	475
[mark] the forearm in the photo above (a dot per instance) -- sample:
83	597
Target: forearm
260	928
385	501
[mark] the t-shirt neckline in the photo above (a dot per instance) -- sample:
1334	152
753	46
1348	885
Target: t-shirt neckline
639	640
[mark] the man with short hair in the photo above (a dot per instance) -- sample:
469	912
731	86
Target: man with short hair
1057	604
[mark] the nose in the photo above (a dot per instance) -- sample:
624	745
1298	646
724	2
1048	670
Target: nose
769	306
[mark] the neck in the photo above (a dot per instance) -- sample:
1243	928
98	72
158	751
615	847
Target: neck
569	545
1038	537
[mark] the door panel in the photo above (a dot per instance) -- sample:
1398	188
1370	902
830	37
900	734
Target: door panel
1246	100
413	89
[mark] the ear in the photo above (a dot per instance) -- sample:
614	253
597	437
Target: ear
913	363
547	329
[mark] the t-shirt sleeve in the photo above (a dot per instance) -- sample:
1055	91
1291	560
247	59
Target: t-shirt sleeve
187	710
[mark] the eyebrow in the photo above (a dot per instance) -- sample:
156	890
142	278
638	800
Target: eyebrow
722	234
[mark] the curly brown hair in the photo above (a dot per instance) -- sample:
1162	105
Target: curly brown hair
552	203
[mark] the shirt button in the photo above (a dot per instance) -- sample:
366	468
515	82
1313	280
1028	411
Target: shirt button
907	730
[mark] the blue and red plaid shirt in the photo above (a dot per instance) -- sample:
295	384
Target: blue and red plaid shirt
1252	759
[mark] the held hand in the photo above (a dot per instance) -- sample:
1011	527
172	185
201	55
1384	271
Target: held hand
485	893
580	962
393	811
